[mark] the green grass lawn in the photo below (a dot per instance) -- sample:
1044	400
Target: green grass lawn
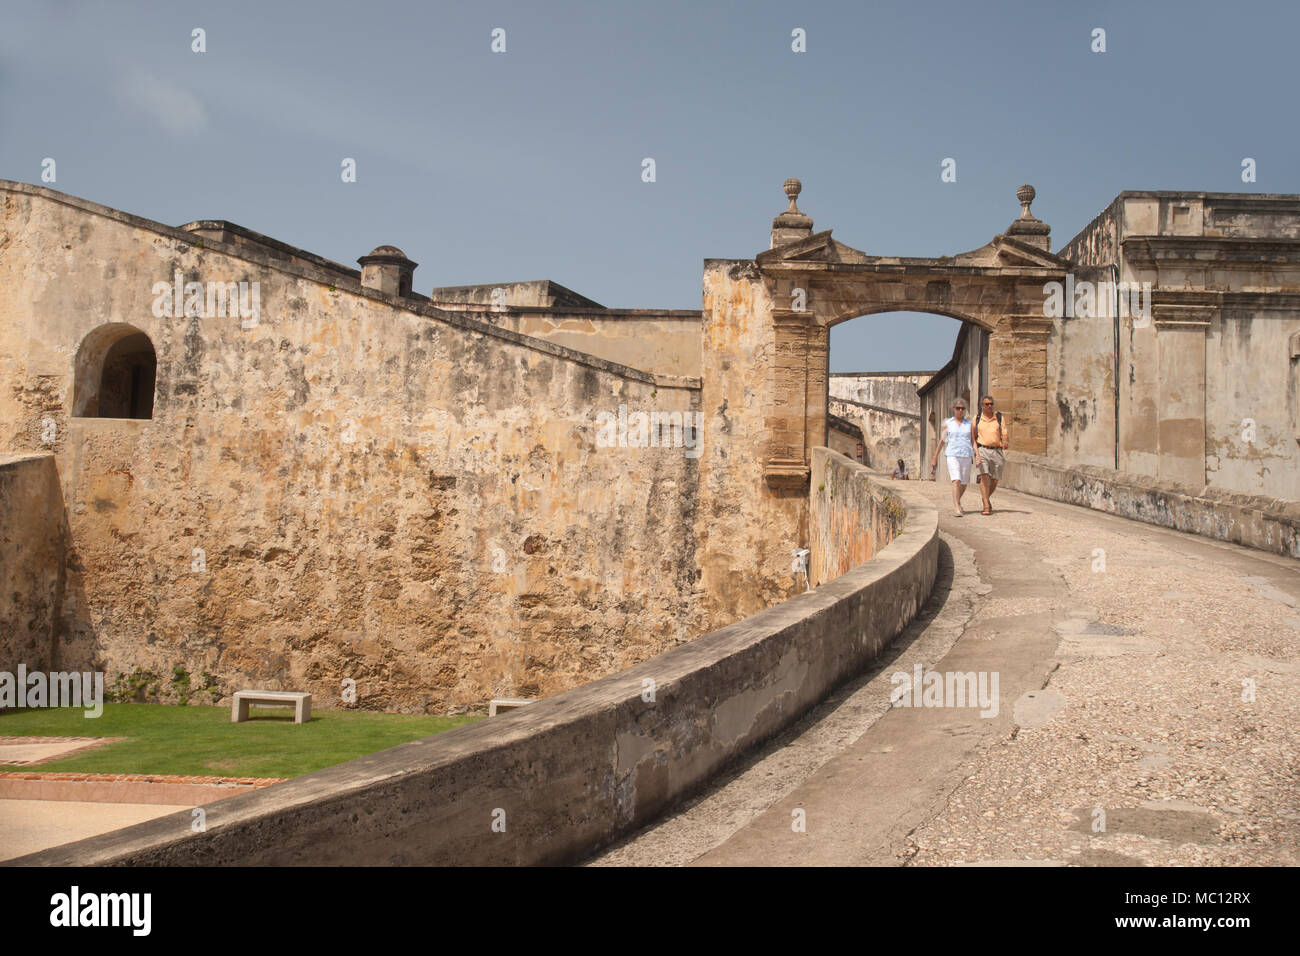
201	741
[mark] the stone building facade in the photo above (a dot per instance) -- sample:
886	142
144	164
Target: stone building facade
1174	346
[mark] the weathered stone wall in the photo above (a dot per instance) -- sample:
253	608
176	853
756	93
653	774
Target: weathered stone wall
541	293
33	540
1269	524
891	390
358	487
1252	398
746	530
665	342
888	410
1097	244
890	435
851	517
844	437
571	773
1207	383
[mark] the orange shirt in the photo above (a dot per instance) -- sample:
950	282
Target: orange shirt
988	431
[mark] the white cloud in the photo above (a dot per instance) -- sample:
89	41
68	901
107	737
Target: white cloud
176	110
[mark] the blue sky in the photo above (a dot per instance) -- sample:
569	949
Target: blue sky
488	167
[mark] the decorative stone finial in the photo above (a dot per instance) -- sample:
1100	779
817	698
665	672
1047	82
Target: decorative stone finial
1026	195
791	225
792	189
1028	228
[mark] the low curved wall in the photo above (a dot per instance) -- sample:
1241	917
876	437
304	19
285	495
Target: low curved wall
850	517
552	782
1268	524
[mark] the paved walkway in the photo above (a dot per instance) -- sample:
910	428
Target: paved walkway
1149	691
27	826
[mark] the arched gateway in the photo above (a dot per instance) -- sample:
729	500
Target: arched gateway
816	282
766	356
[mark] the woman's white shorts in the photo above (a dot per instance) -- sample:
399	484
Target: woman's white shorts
959	469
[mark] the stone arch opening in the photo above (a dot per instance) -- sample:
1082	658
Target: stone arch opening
116	370
877	362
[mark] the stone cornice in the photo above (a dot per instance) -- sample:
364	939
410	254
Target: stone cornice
787	472
1028	324
936	268
1183	315
1221	251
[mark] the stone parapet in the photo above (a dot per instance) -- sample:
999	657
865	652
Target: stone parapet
1268	524
850	518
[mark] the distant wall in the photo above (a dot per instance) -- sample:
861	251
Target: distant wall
358	487
890	435
566	775
844	437
665	342
33	541
888	410
1269	524
538	292
850	519
892	390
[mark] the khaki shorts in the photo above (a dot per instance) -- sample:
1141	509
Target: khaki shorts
991	462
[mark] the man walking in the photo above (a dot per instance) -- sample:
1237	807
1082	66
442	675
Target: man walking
990	441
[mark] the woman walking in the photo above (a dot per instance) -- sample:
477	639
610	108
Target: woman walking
956	435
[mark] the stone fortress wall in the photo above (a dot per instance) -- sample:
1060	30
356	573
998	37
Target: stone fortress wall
359	486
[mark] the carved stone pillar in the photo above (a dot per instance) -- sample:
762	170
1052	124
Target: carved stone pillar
1018	378
798	392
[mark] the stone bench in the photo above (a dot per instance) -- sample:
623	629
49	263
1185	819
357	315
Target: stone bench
499	705
299	700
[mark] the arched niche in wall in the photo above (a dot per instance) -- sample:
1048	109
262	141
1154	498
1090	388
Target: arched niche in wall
114	374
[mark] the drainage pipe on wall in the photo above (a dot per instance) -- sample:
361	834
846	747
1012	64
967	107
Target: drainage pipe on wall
1114	273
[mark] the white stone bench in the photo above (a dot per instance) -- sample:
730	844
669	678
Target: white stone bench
499	705
298	700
